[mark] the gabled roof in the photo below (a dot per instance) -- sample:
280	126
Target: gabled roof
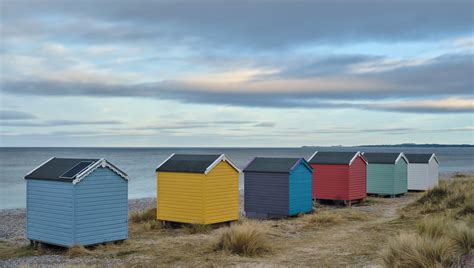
334	158
421	158
275	165
70	169
384	158
193	163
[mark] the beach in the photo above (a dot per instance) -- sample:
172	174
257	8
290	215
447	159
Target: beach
295	239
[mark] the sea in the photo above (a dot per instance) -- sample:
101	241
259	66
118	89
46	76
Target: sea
140	163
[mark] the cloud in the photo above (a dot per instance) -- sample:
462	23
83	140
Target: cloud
15	115
194	124
57	123
426	84
449	105
263	27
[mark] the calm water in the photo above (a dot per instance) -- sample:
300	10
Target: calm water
140	163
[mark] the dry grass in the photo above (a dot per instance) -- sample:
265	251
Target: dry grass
453	196
247	239
8	251
78	251
414	250
443	229
143	216
324	219
327	218
463	240
433	227
198	228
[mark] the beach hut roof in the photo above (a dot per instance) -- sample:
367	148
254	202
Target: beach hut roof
384	158
193	163
275	165
421	158
70	169
338	158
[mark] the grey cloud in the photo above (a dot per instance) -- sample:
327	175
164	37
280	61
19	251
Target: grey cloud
15	115
442	77
180	125
265	24
56	123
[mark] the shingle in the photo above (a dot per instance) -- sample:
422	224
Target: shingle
53	169
338	158
419	158
192	163
381	158
271	165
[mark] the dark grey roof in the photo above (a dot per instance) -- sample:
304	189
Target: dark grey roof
272	164
56	167
193	163
381	158
340	158
419	158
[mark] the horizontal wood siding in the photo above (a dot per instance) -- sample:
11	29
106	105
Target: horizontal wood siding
401	177
300	192
180	197
380	179
101	212
266	193
331	182
358	179
221	194
49	207
418	176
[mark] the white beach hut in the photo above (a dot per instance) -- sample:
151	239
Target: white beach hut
422	171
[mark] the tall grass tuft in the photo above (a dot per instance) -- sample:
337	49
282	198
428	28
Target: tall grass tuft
247	239
463	240
143	216
433	227
414	250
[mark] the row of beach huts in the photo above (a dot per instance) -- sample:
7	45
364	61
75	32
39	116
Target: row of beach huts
85	201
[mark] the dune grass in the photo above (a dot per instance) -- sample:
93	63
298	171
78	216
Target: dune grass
444	231
245	238
197	228
143	216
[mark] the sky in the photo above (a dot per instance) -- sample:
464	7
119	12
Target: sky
236	73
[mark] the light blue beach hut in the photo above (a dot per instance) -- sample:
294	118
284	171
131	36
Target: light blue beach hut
76	202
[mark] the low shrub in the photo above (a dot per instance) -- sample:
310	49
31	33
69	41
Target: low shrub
247	238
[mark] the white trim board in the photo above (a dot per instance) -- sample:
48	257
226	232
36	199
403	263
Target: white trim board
166	160
224	158
311	157
101	163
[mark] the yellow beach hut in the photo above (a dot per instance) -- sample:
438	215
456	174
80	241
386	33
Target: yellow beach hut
197	189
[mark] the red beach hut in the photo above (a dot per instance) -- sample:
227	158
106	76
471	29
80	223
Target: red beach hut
339	176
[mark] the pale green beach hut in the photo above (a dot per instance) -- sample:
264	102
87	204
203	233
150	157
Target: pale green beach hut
386	173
